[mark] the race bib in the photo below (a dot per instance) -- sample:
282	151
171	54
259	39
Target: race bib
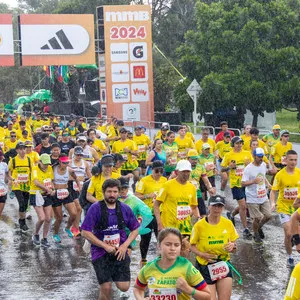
62	194
290	193
75	186
22	178
141	148
48	183
163	294
218	270
113	240
239	171
183	212
3	191
283	160
261	191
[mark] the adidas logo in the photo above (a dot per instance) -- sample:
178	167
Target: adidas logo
61	37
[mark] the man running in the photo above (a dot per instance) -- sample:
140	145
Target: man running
272	138
286	182
254	179
104	227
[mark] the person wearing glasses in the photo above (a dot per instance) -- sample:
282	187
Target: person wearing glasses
62	173
147	189
278	152
11	143
213	239
66	144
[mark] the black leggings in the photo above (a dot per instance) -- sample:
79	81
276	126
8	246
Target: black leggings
146	238
23	199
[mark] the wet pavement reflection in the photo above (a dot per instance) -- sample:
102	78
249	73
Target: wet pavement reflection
64	271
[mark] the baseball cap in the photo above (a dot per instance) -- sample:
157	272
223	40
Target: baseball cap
164	127
137	127
20	145
107	160
28	143
157	164
276	127
24	132
236	139
81	138
205	146
226	133
45	159
193	154
64	159
217	199
78	150
184	165
259	152
123	130
124	182
284	131
10	123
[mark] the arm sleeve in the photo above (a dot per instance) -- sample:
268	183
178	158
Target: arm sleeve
141	280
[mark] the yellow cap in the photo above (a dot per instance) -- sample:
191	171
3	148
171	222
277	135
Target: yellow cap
193	154
276	126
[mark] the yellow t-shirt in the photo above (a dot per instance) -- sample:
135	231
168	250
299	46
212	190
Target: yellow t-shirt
190	136
99	145
223	148
163	282
177	200
279	152
8	144
21	171
142	142
112	132
200	143
43	177
19	134
183	146
34	156
2	133
37	124
288	187
293	289
270	141
261	144
130	162
210	238
246	138
242	159
95	186
148	185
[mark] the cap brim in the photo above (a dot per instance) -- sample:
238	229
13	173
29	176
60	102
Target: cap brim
108	164
184	169
215	203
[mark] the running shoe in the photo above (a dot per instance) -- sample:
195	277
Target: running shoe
124	295
290	262
76	232
68	231
28	216
45	243
261	233
230	217
56	238
247	234
257	239
11	195
24	228
36	239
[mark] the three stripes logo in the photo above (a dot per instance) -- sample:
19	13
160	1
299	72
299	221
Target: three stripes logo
59	41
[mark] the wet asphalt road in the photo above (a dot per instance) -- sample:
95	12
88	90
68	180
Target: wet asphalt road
65	272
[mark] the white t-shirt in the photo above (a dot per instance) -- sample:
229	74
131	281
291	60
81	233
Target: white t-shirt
3	171
255	193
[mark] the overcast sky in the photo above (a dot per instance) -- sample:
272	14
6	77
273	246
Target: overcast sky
12	3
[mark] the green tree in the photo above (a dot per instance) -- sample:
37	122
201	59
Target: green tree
245	54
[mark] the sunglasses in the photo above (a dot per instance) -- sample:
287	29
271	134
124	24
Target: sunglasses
13	136
65	163
158	171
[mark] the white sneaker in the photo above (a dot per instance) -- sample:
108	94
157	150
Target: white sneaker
124	295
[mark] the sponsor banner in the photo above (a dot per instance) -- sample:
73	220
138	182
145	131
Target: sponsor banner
125	36
58	39
6	40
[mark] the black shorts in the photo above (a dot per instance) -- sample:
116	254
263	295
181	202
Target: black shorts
109	269
212	181
238	193
47	199
142	164
205	273
58	202
201	206
73	194
3	198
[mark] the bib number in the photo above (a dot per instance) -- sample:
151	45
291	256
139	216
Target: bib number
112	240
163	294
290	193
218	270
62	194
261	191
239	171
48	183
141	148
183	212
22	178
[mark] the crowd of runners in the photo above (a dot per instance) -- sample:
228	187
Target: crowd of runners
114	184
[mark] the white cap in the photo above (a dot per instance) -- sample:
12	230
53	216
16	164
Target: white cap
184	165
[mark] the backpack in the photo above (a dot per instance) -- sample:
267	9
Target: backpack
14	163
82	196
103	223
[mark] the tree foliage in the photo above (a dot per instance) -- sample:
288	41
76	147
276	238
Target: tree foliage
245	54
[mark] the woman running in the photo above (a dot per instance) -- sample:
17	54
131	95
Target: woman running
171	148
171	276
212	240
157	153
